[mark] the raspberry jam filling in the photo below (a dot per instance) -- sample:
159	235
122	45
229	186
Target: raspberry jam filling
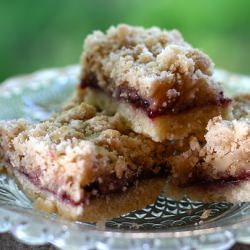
108	185
223	182
152	110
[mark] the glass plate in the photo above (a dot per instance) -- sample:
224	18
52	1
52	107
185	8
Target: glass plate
170	224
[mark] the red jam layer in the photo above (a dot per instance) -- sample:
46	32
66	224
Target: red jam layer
226	181
64	197
133	97
109	185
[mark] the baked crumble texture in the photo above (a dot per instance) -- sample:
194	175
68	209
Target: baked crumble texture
151	70
78	157
158	64
224	160
225	156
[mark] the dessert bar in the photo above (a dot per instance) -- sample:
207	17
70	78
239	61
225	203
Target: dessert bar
161	85
84	165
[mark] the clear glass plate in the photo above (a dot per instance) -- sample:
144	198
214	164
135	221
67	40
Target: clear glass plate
166	224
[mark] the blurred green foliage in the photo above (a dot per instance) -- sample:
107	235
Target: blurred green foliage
49	33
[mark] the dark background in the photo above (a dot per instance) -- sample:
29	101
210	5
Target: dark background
49	33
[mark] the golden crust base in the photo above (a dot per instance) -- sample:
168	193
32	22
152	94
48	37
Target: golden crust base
165	127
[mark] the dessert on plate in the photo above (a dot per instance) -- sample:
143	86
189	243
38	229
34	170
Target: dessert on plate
220	169
84	165
147	108
161	86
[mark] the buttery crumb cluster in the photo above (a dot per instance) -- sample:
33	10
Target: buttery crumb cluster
226	153
157	65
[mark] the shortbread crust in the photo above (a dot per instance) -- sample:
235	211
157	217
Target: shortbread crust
165	127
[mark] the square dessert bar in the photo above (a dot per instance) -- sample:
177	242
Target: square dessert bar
160	84
84	165
221	167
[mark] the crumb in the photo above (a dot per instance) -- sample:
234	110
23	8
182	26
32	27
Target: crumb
206	213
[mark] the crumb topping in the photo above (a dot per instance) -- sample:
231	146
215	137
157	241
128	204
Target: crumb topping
158	64
227	149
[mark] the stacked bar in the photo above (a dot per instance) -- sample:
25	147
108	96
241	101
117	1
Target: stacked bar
161	86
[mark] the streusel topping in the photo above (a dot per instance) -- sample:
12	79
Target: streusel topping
226	153
156	65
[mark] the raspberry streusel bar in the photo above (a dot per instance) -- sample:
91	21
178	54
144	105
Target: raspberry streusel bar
160	84
84	165
219	170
